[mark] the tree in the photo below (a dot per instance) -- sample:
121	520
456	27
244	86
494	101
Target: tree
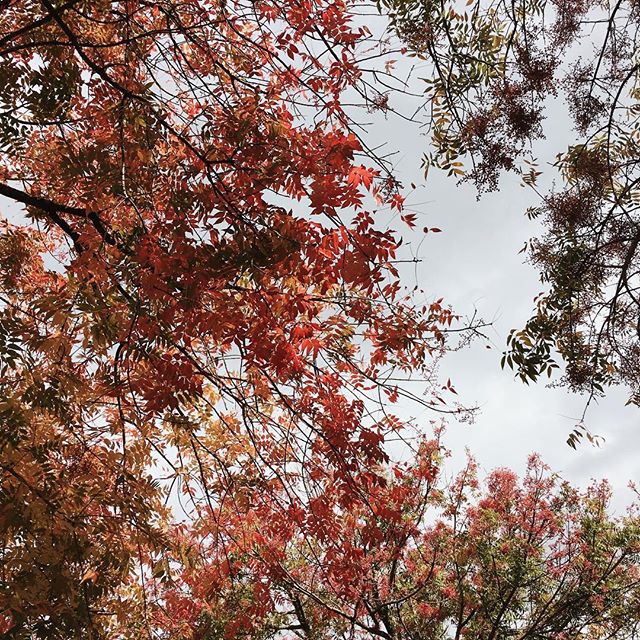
196	293
496	67
202	333
416	557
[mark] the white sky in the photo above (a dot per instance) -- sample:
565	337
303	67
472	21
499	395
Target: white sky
474	264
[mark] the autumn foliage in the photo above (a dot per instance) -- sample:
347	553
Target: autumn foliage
201	331
197	298
413	557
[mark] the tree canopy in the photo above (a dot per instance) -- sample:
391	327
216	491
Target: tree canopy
197	298
419	558
203	333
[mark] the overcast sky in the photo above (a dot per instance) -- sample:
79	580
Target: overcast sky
475	265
